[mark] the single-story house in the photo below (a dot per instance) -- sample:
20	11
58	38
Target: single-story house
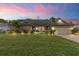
61	26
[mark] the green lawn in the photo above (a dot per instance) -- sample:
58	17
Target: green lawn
41	45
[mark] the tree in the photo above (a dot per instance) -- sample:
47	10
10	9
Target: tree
15	25
53	19
3	21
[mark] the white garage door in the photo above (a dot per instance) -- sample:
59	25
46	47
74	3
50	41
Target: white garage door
63	31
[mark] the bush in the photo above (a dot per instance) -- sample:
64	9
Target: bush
75	30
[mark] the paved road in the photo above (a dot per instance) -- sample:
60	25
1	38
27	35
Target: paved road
71	37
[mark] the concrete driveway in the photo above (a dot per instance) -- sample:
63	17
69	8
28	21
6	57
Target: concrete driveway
71	37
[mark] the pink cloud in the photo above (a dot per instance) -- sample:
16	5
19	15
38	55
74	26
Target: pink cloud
46	10
75	21
50	8
5	9
13	9
19	9
38	9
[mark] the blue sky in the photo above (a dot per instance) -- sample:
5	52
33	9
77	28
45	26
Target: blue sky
43	10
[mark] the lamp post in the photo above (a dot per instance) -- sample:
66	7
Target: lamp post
53	30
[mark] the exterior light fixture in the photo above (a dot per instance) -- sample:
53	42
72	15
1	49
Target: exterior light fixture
60	21
36	28
53	28
53	31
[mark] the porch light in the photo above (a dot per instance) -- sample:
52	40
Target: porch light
60	21
36	28
53	28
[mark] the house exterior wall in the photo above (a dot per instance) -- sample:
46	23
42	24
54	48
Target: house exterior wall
27	28
60	30
40	28
63	30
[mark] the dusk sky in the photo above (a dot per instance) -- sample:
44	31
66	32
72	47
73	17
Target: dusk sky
41	10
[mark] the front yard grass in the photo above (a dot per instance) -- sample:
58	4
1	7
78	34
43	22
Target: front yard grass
36	45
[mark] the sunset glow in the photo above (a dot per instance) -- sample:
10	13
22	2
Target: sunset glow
31	10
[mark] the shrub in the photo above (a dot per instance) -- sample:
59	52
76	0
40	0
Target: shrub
75	30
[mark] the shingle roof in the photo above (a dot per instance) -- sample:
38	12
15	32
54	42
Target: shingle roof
42	23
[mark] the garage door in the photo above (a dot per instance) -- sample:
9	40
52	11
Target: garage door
63	31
